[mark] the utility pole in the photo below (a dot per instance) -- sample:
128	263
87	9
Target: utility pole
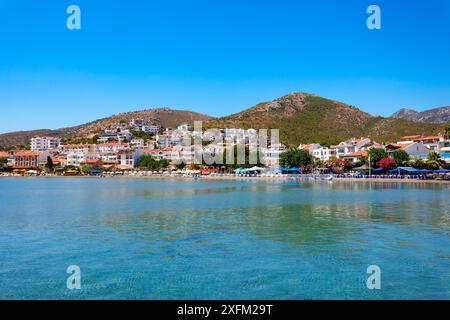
370	167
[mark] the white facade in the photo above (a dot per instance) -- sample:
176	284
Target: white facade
323	153
417	150
44	143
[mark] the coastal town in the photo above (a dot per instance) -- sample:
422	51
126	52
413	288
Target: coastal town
141	146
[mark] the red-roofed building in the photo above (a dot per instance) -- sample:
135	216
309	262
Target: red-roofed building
355	156
26	160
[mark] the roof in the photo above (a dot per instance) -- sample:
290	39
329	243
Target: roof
76	145
27	154
47	138
428	138
90	161
411	137
355	154
3	154
112	144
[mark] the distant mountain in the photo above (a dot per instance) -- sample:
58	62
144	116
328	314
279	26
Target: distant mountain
164	117
303	118
437	115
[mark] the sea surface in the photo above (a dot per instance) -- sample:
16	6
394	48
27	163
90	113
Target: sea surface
174	239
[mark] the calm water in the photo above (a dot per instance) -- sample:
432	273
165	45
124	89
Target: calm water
160	239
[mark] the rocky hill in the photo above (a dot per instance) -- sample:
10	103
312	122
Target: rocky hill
437	115
303	118
300	117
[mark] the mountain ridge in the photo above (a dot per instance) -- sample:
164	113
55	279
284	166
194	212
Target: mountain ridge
300	117
436	115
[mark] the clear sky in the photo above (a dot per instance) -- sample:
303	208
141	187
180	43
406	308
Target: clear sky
216	56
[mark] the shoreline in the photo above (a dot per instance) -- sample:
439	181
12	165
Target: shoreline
237	178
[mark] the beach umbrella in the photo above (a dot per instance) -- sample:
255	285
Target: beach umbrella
255	168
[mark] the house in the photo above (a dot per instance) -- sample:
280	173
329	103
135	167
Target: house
408	139
355	156
118	135
151	129
44	143
414	149
77	148
57	162
344	148
167	140
80	159
319	152
110	147
128	158
26	160
156	154
138	143
433	143
271	155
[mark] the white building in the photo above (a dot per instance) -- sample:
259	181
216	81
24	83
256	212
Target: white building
167	141
322	153
415	149
44	143
110	147
128	158
77	148
79	159
119	135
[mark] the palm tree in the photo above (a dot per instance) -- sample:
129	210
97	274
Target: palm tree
434	161
447	133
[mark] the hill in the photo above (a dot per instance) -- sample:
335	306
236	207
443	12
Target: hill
305	118
300	117
164	117
437	115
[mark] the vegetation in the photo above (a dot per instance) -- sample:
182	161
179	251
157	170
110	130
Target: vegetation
148	162
296	158
49	164
301	118
401	158
375	155
337	165
386	163
3	162
434	161
141	135
418	164
447	132
81	140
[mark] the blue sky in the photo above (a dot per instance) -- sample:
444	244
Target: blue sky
216	57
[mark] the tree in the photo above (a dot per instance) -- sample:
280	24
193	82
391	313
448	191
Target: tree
386	163
150	163
434	161
401	158
296	158
49	164
419	164
447	133
86	169
338	165
375	155
3	162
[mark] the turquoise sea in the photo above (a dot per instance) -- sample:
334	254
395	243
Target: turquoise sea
174	239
